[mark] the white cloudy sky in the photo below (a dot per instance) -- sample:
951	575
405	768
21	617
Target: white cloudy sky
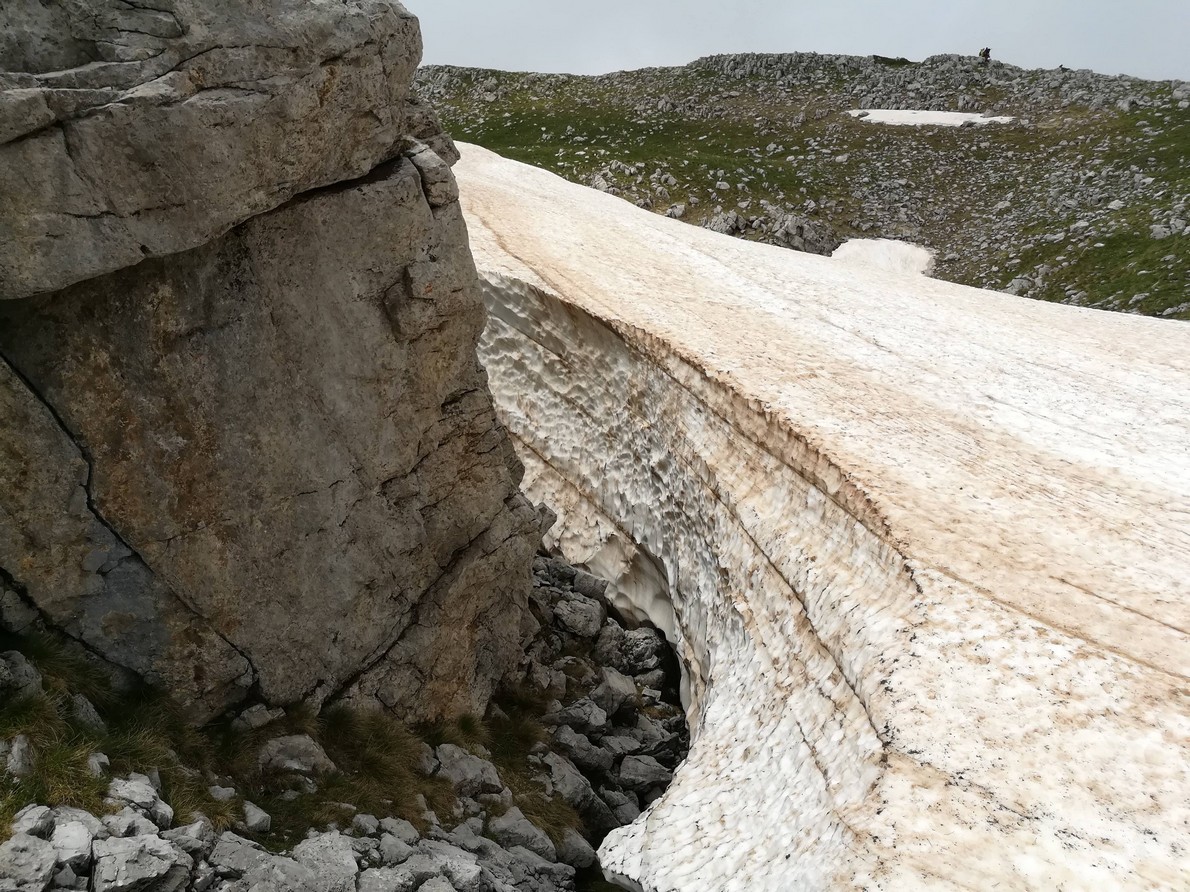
1147	38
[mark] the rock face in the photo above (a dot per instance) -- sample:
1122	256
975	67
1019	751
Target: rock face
922	547
131	132
268	460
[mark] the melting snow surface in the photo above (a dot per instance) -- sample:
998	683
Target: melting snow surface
889	255
923	116
923	548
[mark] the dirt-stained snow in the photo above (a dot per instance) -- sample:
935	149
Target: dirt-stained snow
927	547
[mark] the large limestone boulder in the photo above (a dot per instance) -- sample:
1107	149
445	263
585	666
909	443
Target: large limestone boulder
129	132
270	458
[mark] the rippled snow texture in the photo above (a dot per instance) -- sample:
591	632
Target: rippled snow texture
927	546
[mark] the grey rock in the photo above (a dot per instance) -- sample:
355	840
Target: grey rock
641	651
297	753
619	746
514	829
560	873
138	791
84	713
18	677
139	862
460	866
1159	232
204	877
394	850
647	731
195	839
423	124
33	820
233	856
566	780
496	802
401	829
72	844
421	867
624	806
20	757
66	878
469	774
583	715
427	762
590	586
276	873
569	783
367	848
652	679
331	858
222	794
582	617
613	691
99	764
354	309
256	819
575	851
329	84
255	717
367	825
387	879
66	813
581	751
26	864
643	773
438	884
15	614
552	682
1020	285
436	178
608	643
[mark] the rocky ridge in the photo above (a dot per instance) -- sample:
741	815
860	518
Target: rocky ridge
1082	199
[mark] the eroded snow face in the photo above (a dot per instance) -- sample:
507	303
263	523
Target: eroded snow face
920	117
926	545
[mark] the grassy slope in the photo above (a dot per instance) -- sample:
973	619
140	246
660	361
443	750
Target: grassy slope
377	756
937	186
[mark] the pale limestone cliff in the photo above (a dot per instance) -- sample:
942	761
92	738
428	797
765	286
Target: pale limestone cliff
923	548
248	448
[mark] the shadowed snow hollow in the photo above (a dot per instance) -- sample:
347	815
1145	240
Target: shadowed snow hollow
927	547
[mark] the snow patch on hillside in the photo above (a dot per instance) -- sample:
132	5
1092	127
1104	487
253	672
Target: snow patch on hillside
888	255
920	117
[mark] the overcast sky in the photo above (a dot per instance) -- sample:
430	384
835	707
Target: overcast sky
1147	38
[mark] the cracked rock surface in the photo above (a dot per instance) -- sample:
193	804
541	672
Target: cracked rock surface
129	132
267	462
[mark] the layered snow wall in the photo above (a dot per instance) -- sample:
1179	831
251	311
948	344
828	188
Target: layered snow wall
924	549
